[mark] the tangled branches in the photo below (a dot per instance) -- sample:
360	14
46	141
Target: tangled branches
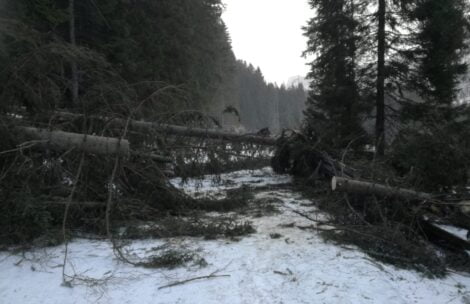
400	230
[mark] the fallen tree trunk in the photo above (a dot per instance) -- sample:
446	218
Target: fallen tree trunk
208	133
60	140
431	230
63	141
354	186
155	157
180	130
437	233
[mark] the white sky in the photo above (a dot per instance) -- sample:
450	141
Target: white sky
268	34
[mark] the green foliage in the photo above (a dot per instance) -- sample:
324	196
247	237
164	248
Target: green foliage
181	42
426	42
388	230
435	158
23	220
439	45
434	141
209	228
171	259
334	104
441	38
22	217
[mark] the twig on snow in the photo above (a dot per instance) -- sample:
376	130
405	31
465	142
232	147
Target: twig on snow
211	276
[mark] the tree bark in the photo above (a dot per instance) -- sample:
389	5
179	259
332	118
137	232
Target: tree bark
182	131
436	233
73	63
206	133
380	102
361	187
430	229
60	140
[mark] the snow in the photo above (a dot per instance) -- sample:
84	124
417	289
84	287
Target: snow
298	267
214	185
458	232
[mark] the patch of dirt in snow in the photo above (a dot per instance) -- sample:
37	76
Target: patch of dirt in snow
279	264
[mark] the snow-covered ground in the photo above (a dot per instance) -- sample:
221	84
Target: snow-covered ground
216	186
458	232
280	263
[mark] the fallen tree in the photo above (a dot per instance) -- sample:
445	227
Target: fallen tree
63	141
429	228
432	231
60	140
296	156
361	187
404	227
179	130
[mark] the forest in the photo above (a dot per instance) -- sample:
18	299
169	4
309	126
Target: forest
134	141
135	45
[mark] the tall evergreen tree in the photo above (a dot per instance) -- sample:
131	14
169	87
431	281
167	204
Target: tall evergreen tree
442	41
387	70
334	100
380	102
73	65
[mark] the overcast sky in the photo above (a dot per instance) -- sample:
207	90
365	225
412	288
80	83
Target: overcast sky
268	34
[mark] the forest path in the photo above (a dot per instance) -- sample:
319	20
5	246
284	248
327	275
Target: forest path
280	263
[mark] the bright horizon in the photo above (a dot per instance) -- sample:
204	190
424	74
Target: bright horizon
268	34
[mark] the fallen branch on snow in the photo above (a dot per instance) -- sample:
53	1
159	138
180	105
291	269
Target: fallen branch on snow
211	276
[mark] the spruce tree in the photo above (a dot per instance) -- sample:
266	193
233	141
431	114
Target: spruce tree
434	134
334	106
441	44
389	70
380	97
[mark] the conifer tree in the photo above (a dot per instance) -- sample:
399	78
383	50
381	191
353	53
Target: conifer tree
385	29
334	100
441	44
179	42
380	97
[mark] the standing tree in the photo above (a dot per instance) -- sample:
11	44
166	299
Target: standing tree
388	32
441	43
434	140
73	64
380	102
334	105
382	66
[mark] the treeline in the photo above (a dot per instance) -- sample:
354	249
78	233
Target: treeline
73	54
266	105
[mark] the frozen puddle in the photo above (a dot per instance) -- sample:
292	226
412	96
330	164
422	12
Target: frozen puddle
295	266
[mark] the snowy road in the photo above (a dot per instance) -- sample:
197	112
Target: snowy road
296	266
